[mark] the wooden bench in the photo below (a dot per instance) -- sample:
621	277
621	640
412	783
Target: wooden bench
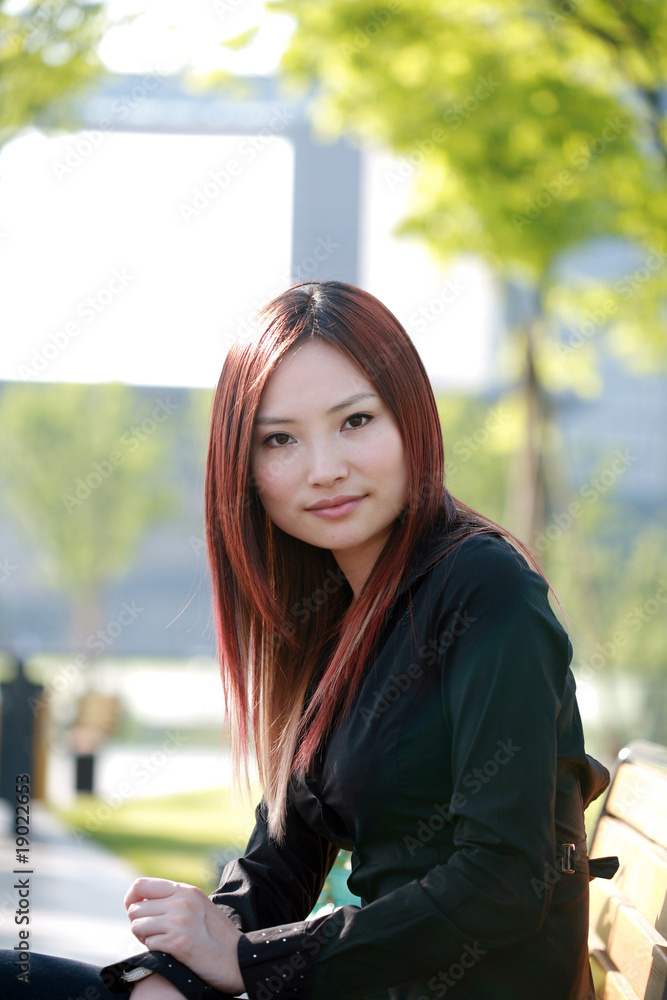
628	915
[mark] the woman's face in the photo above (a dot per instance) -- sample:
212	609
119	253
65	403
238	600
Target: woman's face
328	458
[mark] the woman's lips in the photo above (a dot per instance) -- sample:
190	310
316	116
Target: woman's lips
340	510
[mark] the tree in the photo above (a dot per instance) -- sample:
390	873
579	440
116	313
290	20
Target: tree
47	54
489	105
628	43
81	471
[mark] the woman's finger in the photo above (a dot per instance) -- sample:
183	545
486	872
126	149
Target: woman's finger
150	888
147	908
146	927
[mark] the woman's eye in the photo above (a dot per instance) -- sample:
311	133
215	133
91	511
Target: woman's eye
358	419
278	440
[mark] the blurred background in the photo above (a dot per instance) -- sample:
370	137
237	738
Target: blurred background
495	172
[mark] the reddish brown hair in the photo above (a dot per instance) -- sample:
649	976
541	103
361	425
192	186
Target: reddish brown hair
269	650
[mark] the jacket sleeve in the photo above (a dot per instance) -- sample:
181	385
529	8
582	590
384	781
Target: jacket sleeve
273	884
502	680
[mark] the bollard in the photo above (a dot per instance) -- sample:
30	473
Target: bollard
22	743
96	719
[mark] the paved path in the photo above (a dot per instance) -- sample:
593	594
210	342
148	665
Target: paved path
77	887
76	892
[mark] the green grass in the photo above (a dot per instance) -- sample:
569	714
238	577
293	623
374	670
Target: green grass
179	837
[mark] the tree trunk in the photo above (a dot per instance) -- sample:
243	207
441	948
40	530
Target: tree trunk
86	617
526	500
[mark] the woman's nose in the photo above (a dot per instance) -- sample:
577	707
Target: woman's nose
325	466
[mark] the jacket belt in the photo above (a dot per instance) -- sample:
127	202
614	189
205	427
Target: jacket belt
571	858
572	796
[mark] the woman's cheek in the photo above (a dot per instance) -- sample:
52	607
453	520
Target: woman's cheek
264	471
273	488
270	481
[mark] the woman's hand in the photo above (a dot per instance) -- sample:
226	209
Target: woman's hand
181	920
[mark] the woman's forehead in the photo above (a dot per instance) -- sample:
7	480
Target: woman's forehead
314	367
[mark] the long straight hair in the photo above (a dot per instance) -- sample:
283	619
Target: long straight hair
282	608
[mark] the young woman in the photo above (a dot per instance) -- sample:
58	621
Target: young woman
392	658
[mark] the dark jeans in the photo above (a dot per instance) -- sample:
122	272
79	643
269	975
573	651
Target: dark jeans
52	978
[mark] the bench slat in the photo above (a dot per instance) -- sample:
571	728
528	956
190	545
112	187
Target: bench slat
638	795
616	987
637	950
609	983
642	876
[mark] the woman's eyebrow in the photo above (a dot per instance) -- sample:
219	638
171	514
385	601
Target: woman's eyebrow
333	409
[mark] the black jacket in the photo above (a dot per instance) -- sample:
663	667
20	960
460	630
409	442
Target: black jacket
454	781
